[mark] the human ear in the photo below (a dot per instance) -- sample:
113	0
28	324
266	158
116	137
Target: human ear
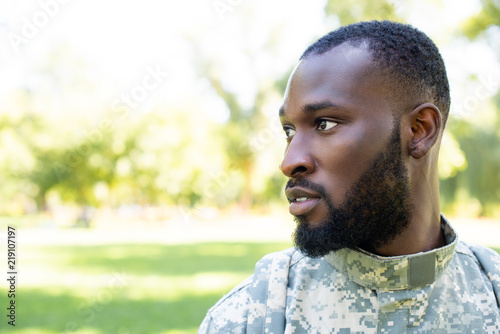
425	129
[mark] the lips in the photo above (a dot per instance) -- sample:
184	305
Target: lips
302	201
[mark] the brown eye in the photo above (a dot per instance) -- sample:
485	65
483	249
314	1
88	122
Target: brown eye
324	125
289	132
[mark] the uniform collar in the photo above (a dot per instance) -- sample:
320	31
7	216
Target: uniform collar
399	272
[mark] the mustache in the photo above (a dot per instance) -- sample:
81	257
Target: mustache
305	183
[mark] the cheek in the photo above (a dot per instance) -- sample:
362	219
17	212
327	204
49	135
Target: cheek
342	160
340	167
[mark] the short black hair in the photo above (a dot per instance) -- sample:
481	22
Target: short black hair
402	51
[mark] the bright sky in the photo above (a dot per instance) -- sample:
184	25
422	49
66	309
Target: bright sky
119	40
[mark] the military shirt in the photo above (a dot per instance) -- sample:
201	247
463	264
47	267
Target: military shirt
452	289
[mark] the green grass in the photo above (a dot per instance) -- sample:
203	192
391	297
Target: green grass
126	289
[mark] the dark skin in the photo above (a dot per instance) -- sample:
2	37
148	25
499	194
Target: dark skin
338	114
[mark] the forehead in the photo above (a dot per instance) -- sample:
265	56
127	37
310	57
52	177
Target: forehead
345	76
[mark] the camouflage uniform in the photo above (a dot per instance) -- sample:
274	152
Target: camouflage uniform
453	289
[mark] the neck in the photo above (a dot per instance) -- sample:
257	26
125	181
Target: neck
422	235
424	230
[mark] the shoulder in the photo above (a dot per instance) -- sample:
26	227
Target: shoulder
230	311
488	261
248	299
485	256
276	263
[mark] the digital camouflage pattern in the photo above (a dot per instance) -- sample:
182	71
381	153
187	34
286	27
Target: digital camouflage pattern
453	289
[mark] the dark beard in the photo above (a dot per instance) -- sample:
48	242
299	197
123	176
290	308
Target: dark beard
376	209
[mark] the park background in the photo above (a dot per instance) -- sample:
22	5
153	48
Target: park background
140	144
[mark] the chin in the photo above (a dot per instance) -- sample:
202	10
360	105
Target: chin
311	224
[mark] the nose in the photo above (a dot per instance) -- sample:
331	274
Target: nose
298	159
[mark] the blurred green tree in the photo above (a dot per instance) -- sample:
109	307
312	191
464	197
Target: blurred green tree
478	135
351	11
181	154
488	17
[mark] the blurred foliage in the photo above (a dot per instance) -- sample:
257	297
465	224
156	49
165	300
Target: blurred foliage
351	11
476	189
487	17
179	154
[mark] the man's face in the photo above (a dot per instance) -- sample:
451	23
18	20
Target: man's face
348	184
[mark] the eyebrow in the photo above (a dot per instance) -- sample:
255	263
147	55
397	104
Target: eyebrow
313	107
